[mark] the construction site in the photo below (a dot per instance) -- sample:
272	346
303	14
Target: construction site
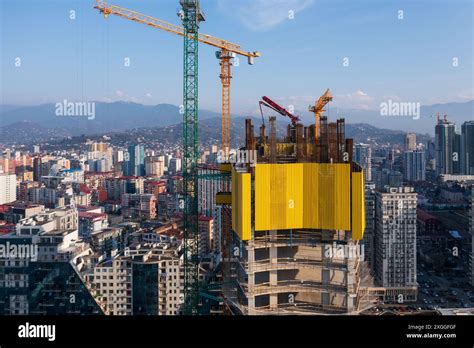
198	168
302	201
290	220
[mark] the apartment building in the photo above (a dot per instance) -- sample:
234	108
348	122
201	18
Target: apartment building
395	242
139	206
7	188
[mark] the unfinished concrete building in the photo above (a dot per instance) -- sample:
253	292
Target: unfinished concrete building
297	219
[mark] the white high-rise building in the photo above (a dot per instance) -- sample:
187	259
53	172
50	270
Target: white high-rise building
395	242
154	167
113	285
7	188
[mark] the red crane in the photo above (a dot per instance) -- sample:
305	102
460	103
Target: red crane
281	110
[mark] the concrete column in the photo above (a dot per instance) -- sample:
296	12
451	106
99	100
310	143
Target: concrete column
273	301
274	273
251	274
273	260
251	305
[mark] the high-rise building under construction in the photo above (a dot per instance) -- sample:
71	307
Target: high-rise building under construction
297	220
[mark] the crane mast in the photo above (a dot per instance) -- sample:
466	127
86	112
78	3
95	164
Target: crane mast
191	16
318	109
225	58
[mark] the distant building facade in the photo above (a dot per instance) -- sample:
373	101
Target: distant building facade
414	165
135	161
363	156
7	188
467	148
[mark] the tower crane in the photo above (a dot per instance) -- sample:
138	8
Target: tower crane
318	109
191	16
227	52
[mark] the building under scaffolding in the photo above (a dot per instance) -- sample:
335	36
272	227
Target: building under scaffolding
297	219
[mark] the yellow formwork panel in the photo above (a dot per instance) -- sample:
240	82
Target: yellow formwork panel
302	195
241	205
358	206
278	196
330	184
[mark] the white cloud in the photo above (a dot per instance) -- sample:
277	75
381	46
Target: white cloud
356	100
262	15
352	100
105	99
466	95
148	95
122	96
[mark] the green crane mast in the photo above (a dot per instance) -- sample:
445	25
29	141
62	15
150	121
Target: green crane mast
191	16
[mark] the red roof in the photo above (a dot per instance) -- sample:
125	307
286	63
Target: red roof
7	228
84	188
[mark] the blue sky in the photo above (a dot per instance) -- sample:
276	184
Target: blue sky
409	59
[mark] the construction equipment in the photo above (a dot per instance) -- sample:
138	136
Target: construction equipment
279	109
191	17
227	52
318	109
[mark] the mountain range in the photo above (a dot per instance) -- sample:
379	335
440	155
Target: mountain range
210	133
109	117
456	112
34	124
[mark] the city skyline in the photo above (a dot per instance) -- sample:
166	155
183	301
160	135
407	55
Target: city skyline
332	180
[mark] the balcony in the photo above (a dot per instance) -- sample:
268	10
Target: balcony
299	308
292	263
284	286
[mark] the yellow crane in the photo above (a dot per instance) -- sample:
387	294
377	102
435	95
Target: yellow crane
227	52
318	109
